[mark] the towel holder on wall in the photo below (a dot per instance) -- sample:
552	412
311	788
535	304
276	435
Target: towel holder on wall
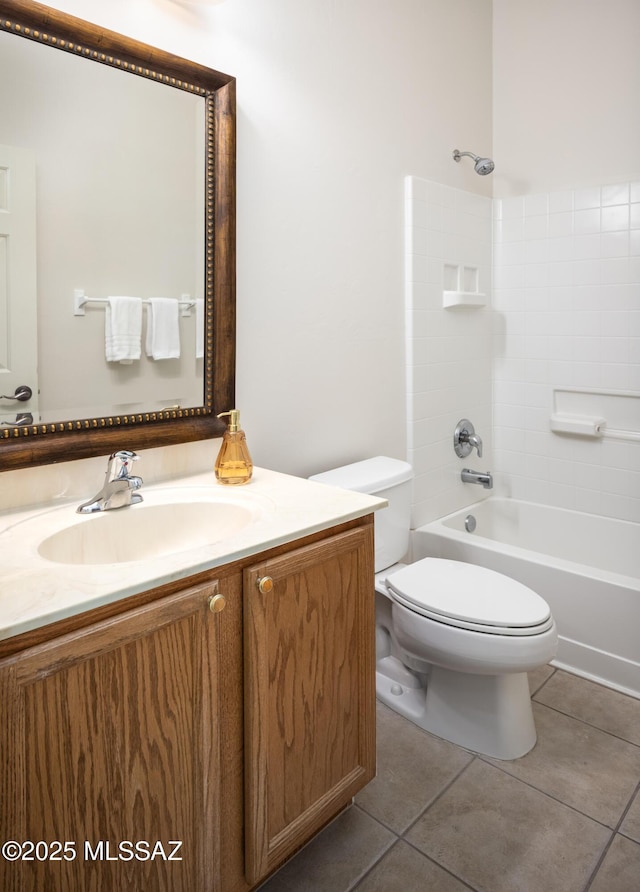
596	413
186	302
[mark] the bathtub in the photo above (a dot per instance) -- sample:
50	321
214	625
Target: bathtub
586	567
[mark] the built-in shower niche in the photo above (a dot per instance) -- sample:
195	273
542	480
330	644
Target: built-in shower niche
461	286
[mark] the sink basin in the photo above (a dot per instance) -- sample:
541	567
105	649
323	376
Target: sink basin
146	531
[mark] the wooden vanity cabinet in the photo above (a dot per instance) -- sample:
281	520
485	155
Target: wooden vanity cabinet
237	732
111	735
309	692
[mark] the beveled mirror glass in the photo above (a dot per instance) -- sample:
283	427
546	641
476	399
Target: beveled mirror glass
134	193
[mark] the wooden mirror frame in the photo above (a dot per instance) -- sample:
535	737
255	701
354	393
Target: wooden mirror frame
39	444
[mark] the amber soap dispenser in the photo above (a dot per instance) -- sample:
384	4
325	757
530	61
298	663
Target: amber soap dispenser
233	465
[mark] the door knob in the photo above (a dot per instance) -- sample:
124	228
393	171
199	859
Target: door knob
217	603
265	584
22	393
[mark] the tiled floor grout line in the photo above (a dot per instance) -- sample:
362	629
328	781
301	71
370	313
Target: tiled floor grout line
401	837
438	864
435	799
599	863
383	854
543	683
402	833
397	841
588	724
544	793
353	887
628	807
615	833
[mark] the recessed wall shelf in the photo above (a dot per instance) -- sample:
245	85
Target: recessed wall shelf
463	299
461	286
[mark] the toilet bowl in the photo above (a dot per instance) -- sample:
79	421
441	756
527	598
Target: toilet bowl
471	635
454	641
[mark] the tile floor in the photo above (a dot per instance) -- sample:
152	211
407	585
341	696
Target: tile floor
564	818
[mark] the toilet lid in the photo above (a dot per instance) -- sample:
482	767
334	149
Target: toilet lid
469	596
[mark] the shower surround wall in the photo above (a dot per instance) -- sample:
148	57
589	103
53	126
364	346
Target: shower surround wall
563	312
566	303
448	349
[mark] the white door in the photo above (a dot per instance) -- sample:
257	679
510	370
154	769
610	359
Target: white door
18	318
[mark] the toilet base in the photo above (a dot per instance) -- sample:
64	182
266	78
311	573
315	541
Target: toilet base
487	714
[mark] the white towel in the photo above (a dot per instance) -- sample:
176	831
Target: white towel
123	329
163	329
199	328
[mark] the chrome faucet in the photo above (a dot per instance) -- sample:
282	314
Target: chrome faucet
465	439
119	488
473	440
485	478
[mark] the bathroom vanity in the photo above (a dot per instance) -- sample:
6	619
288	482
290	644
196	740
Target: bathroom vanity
191	732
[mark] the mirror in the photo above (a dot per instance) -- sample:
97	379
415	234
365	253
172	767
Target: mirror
147	212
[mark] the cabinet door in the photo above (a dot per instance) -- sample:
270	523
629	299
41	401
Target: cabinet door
309	692
110	737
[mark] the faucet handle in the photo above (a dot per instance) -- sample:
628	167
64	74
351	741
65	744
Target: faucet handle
119	462
465	439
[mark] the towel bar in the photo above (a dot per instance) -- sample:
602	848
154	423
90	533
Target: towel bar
80	299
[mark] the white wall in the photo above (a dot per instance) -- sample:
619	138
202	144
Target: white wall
448	348
566	92
336	104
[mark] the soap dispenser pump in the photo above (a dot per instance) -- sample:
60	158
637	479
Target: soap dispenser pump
233	465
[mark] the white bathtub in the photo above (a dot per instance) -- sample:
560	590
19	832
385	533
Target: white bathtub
586	567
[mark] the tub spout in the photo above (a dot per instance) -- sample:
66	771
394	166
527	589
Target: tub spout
485	478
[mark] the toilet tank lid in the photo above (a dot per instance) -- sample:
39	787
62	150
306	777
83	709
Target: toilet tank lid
369	476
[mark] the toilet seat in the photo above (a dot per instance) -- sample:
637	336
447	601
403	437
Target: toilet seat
467	596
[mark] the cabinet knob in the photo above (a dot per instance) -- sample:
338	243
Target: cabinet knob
217	603
265	584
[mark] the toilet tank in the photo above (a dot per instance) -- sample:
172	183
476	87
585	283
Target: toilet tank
388	478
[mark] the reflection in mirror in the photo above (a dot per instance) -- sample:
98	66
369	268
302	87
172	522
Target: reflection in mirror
118	202
116	180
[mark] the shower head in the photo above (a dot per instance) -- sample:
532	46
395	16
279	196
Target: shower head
483	166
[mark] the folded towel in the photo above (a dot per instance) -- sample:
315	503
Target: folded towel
199	304
163	329
123	329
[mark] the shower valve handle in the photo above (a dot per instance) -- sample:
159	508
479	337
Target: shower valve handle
465	439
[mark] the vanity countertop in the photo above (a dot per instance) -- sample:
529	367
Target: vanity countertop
35	591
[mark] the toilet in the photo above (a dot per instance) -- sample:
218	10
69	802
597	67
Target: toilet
454	641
